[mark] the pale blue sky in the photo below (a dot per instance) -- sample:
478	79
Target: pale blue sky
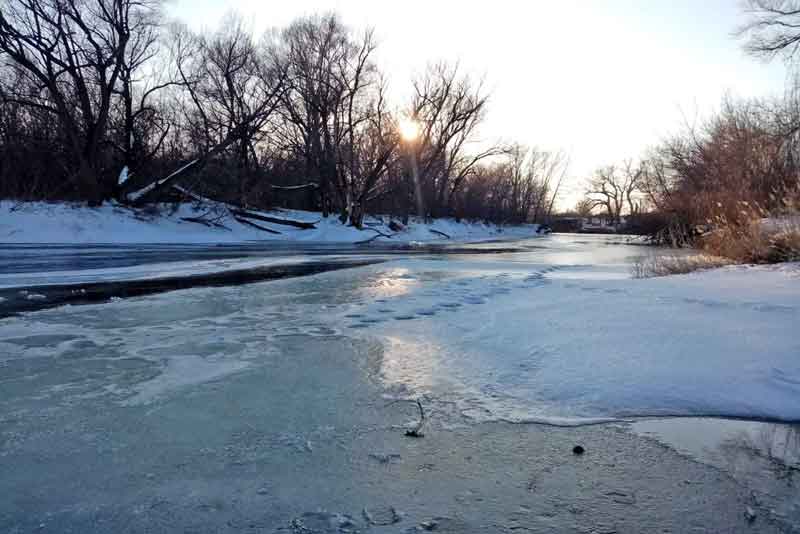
603	79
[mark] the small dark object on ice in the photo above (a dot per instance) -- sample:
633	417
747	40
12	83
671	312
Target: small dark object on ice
749	514
395	226
577	449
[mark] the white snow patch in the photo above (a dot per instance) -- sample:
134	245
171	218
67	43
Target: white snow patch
182	371
123	175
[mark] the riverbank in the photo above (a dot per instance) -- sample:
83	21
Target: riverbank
62	223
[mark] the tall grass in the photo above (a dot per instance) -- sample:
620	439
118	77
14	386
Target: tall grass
746	233
654	266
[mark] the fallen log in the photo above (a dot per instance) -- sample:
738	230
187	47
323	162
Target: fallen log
274	220
367	241
380	234
204	222
254	225
294	187
198	220
197	198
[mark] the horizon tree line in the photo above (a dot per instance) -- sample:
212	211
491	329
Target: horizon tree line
105	100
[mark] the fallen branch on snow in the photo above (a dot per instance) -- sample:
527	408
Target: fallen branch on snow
380	234
204	222
257	226
274	220
294	187
367	241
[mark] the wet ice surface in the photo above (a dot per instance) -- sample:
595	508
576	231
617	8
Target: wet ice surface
261	404
763	456
521	339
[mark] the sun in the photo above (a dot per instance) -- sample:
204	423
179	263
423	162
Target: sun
409	129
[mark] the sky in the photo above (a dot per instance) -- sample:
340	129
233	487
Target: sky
600	79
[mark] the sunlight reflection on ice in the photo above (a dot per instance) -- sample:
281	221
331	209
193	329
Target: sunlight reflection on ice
391	283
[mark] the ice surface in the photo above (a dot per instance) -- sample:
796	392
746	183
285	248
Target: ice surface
541	349
520	337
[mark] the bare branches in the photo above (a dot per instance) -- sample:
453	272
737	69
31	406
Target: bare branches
298	118
773	28
613	188
449	107
72	55
336	107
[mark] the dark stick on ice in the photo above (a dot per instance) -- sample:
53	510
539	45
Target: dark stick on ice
417	432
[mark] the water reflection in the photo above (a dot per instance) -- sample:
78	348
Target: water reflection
390	283
779	445
764	457
719	441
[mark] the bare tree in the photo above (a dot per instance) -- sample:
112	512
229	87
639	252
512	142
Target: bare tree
142	124
613	188
773	28
371	138
534	178
547	171
237	89
335	112
449	107
313	50
584	207
234	87
72	53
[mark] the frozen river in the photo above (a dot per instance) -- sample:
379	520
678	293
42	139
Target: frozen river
154	407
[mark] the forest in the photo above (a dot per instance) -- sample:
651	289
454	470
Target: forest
110	100
105	100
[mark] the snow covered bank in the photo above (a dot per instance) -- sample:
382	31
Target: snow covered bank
39	222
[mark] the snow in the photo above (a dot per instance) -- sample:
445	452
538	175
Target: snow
528	343
123	175
136	195
61	223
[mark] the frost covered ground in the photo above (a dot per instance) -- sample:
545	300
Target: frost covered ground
59	223
280	406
